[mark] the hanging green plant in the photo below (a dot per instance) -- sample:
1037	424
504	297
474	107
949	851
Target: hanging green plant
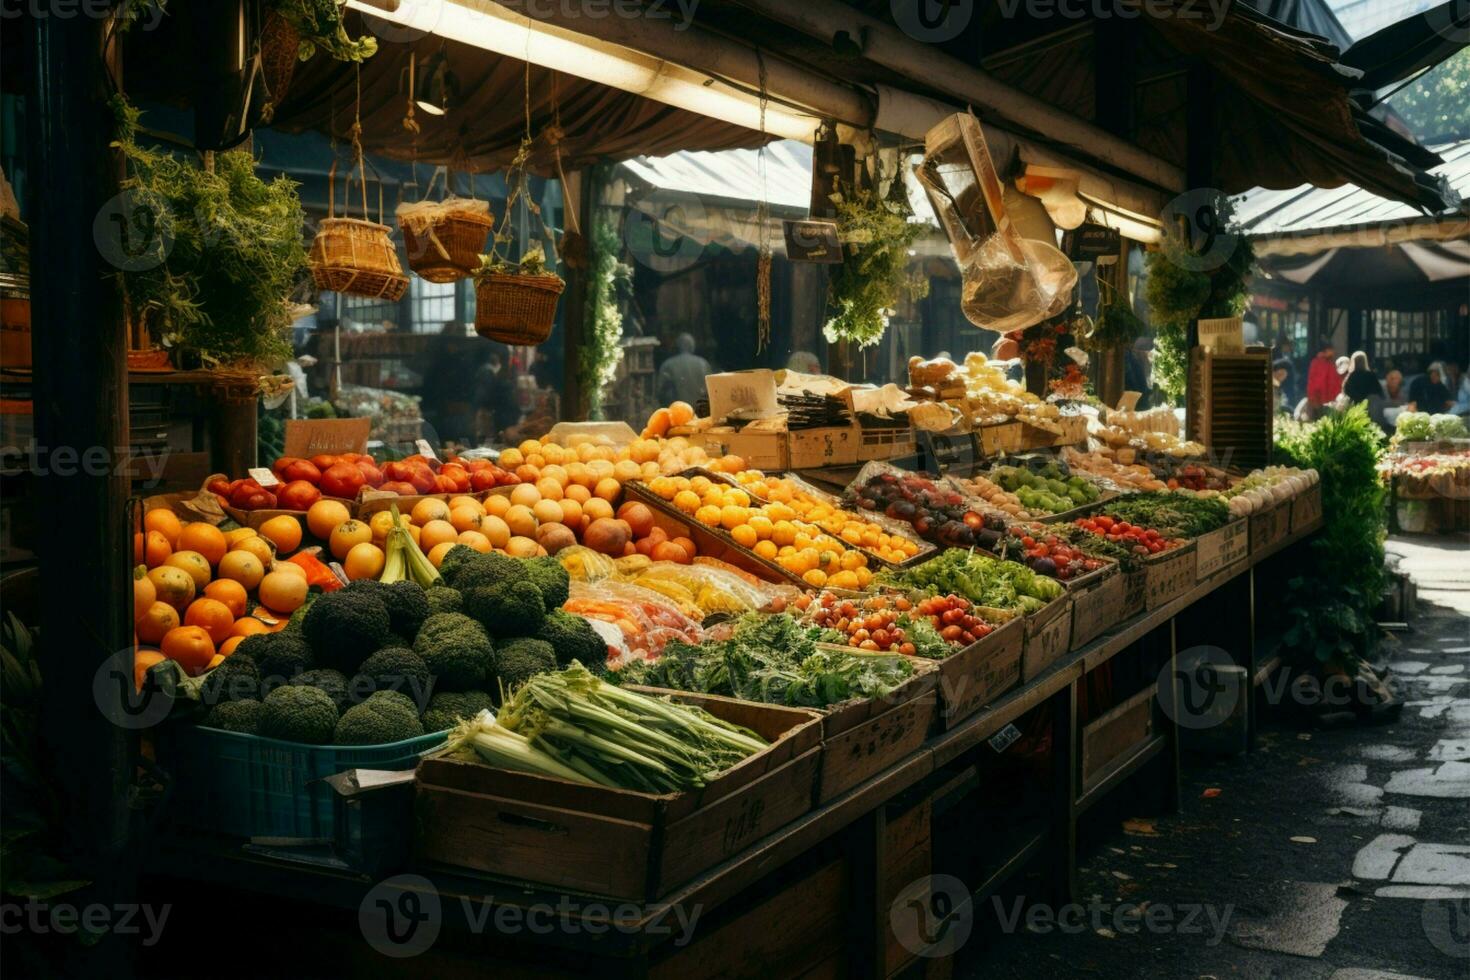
224	252
1117	326
874	275
602	335
319	22
1183	287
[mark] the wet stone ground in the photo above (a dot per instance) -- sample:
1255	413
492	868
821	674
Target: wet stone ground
1339	853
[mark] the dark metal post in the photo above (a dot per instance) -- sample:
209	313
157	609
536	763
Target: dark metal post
80	362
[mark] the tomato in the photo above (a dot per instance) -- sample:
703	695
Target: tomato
324	462
371	475
342	480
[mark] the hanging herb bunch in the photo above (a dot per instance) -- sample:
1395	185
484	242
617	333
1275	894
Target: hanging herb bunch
874	275
602	349
222	250
1117	327
318	22
1184	286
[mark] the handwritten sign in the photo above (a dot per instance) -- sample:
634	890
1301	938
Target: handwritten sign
751	393
316	437
1223	335
425	450
263	476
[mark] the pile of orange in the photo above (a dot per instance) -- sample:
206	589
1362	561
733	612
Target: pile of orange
193	585
775	530
851	528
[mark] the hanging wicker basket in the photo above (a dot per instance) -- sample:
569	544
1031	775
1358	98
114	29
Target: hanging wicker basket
444	240
518	310
280	50
356	256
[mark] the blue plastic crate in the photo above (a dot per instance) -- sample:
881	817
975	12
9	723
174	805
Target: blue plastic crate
248	786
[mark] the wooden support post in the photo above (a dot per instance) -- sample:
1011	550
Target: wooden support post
866	921
580	190
1064	887
80	362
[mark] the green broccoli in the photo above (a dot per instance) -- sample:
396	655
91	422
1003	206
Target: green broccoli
407	607
333	682
448	708
517	661
293	625
508	609
298	714
344	627
237	679
443	599
278	656
395	669
384	718
573	638
550	576
457	651
475	569
235	716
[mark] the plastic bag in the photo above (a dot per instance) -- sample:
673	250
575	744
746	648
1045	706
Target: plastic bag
1009	282
647	619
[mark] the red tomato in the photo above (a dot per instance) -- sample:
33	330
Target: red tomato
482	478
398	487
298	469
298	495
371	475
423	478
342	480
325	461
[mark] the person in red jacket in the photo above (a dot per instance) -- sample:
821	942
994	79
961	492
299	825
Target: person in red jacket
1324	383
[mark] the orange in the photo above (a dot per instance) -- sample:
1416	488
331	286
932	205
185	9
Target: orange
466	517
437	553
732	517
497	505
436	532
144	593
766	549
688	545
525	495
347	535
578	493
681	413
523	547
237	535
550	488
206	539
156	622
174	585
156	549
229	646
522	521
229	592
745	536
248	626
476	540
429	509
243	567
212	616
365	560
165	522
324	515
549	511
289	568
571	512
257	546
455	503
283	592
142	660
496	530
194	563
190	646
815	578
687	501
284	532
608	489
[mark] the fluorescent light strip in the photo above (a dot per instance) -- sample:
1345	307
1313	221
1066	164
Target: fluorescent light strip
494	28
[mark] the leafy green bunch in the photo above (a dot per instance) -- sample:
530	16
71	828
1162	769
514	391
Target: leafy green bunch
319	22
602	350
1183	286
874	276
1331	612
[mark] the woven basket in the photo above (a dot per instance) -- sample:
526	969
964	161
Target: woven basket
448	249
516	310
280	48
357	257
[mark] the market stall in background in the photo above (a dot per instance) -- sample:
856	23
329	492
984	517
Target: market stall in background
552	469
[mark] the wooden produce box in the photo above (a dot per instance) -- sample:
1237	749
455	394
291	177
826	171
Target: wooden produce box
885	444
1048	636
1222	551
811	449
997	440
713	542
1306	508
1097	603
1269	526
619	843
971	678
862	738
1169	575
1115	735
902	529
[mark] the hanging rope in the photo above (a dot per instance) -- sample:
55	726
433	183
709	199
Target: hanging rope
762	217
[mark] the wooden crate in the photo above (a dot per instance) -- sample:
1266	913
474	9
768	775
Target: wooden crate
1232	406
886	444
1222	551
862	738
1048	636
997	440
1168	575
1269	526
1114	735
712	542
1306	508
810	449
619	843
973	677
1097	604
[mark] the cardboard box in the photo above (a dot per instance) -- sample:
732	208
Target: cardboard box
761	449
1223	549
811	449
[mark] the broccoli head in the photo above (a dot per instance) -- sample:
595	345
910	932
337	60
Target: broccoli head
473	570
407	607
573	638
333	682
443	599
448	708
508	609
457	651
517	661
396	669
237	679
385	717
343	627
278	656
550	576
293	625
235	716
298	714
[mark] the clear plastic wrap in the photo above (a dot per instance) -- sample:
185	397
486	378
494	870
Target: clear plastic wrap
647	620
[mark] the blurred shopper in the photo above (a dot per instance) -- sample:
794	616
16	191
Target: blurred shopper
1430	393
681	377
1324	383
1361	384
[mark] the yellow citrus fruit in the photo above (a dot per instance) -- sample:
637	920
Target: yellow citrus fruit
744	535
